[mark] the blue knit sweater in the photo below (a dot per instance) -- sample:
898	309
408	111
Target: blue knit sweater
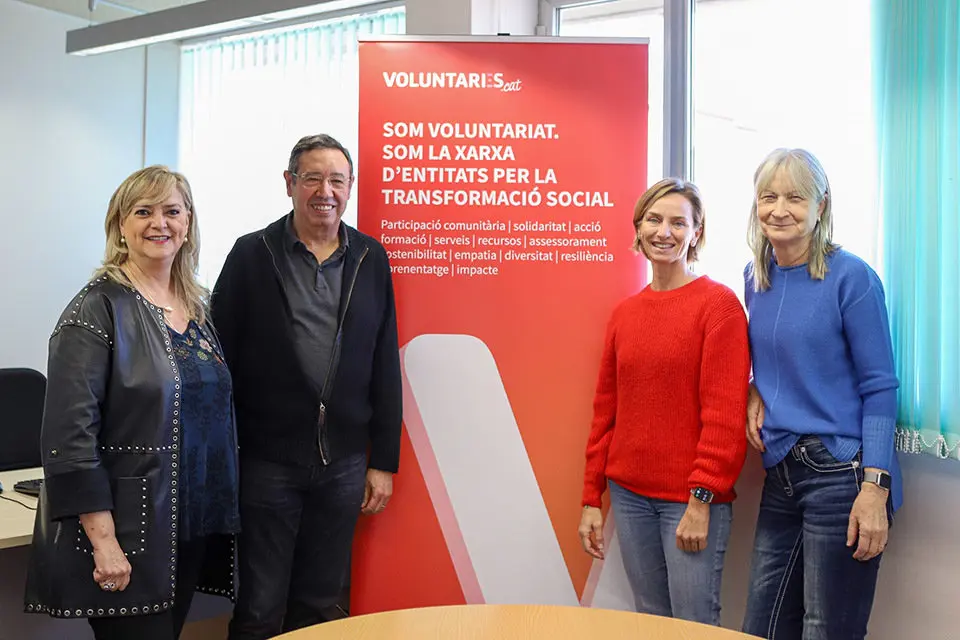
823	362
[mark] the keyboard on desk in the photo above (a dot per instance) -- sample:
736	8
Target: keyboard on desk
29	487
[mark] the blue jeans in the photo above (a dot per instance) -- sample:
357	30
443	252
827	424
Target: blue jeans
805	583
298	525
665	580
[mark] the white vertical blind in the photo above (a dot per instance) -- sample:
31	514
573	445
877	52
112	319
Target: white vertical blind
245	101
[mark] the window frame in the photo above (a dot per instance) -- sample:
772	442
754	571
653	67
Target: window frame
678	25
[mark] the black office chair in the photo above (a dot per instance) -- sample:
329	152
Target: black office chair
21	396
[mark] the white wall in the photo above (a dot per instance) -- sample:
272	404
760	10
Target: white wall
71	129
471	17
919	591
161	105
438	17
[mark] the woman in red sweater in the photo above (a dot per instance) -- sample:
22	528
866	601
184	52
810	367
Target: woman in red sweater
667	435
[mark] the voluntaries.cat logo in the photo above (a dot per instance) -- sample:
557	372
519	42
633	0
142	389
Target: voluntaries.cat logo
450	80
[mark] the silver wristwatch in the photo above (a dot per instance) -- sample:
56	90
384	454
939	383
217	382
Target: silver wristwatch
880	478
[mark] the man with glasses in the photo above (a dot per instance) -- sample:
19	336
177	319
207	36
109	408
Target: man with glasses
319	434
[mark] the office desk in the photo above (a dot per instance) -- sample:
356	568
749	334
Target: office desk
208	617
511	622
16	522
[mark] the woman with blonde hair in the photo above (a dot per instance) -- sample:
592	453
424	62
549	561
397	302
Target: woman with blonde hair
139	501
821	410
667	436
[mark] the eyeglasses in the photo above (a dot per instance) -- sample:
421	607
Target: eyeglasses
314	180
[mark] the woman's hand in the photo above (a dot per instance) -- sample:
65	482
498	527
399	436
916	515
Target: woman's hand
755	419
694	527
868	528
591	531
111	568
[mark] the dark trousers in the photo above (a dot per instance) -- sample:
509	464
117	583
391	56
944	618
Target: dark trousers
297	530
805	583
166	625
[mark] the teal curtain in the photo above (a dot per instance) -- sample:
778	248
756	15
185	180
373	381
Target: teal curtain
916	70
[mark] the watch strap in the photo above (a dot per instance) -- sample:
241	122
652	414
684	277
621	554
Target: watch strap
879	478
702	494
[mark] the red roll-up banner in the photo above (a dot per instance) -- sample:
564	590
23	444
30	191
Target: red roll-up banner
500	175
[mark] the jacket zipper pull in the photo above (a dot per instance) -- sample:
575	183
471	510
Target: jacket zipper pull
322	434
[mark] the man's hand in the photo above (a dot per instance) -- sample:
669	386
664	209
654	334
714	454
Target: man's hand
377	492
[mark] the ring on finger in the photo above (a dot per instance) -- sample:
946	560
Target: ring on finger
108	586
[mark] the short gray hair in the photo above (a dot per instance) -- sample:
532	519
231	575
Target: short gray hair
310	143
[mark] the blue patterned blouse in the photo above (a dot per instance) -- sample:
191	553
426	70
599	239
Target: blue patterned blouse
208	461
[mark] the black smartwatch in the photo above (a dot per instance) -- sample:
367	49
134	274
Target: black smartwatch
703	495
879	478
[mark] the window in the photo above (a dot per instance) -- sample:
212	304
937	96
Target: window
782	73
246	100
766	74
628	19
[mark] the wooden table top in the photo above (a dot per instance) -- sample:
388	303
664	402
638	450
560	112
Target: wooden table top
511	622
16	520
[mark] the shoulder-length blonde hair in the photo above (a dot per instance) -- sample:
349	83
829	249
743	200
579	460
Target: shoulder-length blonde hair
806	174
150	186
664	188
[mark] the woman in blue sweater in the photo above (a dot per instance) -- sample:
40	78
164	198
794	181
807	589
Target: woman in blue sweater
821	410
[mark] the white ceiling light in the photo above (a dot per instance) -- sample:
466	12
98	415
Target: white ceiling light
212	17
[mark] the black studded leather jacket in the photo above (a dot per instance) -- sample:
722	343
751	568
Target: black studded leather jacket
111	441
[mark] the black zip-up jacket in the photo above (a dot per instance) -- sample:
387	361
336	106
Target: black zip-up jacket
278	408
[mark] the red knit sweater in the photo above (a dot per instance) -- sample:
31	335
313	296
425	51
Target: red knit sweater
671	402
